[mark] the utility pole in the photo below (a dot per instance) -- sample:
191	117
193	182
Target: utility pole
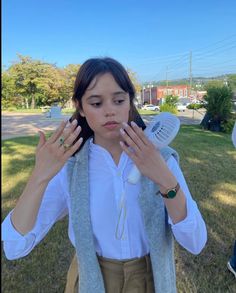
190	72
190	76
143	95
166	76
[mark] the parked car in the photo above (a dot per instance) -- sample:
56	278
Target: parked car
151	107
181	107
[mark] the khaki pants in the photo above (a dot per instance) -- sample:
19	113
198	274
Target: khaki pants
72	277
131	276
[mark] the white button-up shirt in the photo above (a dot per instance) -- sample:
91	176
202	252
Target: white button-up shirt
116	217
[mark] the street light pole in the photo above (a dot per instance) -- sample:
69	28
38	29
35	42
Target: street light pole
150	93
143	96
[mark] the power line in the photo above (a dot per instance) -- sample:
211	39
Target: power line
230	37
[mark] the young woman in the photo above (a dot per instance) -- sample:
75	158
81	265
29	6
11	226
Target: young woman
122	232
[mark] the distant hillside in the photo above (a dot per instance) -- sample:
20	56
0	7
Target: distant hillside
196	81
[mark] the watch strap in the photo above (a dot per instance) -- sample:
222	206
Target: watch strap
171	193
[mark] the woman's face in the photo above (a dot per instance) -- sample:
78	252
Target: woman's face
105	107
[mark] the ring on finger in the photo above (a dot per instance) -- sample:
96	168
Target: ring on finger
66	146
61	140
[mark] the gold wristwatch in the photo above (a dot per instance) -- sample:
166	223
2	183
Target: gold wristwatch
171	193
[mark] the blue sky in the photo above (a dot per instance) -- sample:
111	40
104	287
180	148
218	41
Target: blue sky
152	38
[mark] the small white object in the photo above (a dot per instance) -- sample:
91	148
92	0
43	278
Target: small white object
55	112
234	135
160	131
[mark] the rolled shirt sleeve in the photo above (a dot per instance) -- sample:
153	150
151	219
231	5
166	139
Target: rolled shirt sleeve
191	232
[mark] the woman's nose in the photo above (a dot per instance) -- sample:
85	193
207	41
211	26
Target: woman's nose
109	111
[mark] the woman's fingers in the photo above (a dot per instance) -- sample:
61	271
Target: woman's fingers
62	133
129	152
62	140
130	137
140	133
42	139
57	133
69	129
136	144
72	149
68	142
134	136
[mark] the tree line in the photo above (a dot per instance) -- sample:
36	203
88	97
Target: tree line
30	83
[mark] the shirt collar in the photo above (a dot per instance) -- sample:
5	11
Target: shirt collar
97	152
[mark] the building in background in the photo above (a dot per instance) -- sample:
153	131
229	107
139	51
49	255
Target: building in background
155	94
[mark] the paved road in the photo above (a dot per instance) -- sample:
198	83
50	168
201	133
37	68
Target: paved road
21	124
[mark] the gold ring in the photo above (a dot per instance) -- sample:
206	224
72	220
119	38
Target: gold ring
66	146
61	140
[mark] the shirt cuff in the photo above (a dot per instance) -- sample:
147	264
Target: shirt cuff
9	233
189	222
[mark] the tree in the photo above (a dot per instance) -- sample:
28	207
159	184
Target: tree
214	84
232	81
171	100
133	77
218	106
25	73
8	90
69	75
49	85
38	82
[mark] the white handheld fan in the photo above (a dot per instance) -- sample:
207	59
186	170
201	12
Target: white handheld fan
161	131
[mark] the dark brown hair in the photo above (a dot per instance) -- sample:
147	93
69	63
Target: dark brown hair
87	72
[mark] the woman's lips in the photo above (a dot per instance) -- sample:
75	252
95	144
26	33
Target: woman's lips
111	125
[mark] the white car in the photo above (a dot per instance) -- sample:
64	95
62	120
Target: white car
151	107
181	107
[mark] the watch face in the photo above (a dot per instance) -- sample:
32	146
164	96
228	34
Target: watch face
172	193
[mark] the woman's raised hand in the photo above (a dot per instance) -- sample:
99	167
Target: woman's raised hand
52	154
144	154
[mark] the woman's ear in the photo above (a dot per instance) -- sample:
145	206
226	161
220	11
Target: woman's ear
79	108
81	112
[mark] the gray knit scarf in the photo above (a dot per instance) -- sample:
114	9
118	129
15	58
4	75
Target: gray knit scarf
159	234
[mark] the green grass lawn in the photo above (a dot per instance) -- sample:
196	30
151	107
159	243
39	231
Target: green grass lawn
208	161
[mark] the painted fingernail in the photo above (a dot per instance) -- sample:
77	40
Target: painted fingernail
122	131
125	124
78	128
74	122
133	123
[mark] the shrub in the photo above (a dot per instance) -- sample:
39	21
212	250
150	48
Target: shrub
219	107
171	100
195	106
168	108
219	102
227	126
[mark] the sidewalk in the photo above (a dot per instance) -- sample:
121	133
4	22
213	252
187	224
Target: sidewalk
24	124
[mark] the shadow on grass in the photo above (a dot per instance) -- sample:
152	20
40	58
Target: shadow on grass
208	161
44	270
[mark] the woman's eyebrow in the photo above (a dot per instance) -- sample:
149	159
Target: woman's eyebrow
93	96
119	93
100	96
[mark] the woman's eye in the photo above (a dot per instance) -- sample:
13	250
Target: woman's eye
96	104
119	101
